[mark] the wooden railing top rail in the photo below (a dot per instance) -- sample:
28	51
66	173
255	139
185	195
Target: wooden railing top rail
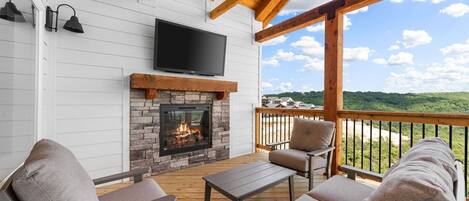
413	117
289	111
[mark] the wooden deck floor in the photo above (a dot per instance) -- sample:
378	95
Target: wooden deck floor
187	184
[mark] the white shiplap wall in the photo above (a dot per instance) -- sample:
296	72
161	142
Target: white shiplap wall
17	89
86	104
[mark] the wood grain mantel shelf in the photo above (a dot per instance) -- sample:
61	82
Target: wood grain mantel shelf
153	83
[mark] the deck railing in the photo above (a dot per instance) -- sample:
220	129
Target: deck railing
372	140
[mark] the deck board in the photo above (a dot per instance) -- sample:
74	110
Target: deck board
187	184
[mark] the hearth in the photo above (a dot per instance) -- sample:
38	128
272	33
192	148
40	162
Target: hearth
184	128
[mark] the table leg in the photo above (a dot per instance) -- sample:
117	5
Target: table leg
291	186
208	191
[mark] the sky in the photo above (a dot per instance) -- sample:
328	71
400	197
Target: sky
403	46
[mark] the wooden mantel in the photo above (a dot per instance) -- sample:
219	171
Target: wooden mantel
153	83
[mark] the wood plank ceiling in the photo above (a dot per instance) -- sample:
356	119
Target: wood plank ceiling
265	10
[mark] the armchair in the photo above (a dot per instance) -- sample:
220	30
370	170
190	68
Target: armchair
306	161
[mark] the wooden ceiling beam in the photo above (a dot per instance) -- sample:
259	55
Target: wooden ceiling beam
310	17
274	12
265	8
223	7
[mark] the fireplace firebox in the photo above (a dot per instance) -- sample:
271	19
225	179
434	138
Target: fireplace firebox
184	128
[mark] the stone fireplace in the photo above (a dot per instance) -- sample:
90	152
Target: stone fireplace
177	129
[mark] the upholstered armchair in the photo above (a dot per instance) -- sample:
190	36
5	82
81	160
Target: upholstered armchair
52	173
310	148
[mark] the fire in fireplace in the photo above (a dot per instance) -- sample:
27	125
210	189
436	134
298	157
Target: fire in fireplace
184	128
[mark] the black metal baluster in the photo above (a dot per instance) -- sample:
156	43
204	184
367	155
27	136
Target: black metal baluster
411	134
276	128
379	150
436	130
362	146
465	157
371	144
451	137
346	141
353	159
284	130
423	131
400	139
390	145
262	129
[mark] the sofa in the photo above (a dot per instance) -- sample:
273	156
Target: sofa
427	172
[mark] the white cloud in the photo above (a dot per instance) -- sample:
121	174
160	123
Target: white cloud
401	58
394	47
309	46
316	27
414	38
266	85
432	1
396	1
314	64
357	54
380	61
275	41
270	61
361	10
285	86
299	6
347	23
450	75
456	10
456	49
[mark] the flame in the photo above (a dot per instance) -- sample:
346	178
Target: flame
183	128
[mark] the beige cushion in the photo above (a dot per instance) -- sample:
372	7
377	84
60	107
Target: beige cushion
426	172
341	188
295	159
311	135
52	173
147	190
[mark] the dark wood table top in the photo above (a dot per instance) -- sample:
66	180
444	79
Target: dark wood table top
247	180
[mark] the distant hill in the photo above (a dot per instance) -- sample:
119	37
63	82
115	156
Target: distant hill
451	102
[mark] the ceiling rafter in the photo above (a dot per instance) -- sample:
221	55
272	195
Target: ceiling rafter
274	12
223	7
310	17
266	7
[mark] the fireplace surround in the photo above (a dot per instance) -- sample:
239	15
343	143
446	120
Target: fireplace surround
146	127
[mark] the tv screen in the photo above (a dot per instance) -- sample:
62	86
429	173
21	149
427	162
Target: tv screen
184	49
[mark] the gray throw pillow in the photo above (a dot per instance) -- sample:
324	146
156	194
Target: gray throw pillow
311	135
52	173
426	172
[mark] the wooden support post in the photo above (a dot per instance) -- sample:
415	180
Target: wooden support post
333	94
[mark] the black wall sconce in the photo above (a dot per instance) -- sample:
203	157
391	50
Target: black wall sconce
72	24
11	13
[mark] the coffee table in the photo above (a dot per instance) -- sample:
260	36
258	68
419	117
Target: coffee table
248	180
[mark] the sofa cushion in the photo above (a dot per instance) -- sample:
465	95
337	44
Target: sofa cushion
341	188
311	135
295	159
52	173
147	190
424	173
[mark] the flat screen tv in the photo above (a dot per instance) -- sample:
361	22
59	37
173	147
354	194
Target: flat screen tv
184	49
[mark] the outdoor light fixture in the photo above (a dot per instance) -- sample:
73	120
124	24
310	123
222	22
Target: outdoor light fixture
11	13
72	24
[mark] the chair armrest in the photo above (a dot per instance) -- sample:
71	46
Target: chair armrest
352	172
320	152
137	174
273	146
166	198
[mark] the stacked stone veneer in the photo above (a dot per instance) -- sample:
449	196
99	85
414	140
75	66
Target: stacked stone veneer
145	129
